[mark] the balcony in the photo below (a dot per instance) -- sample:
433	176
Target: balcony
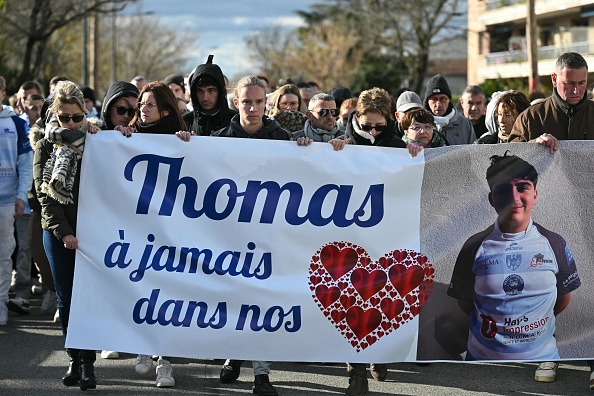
494	4
548	52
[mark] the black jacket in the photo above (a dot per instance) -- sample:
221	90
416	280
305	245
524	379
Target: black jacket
198	122
271	130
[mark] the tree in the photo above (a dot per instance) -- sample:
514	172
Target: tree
29	24
401	32
272	51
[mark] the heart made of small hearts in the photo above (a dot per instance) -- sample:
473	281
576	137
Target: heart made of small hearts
368	300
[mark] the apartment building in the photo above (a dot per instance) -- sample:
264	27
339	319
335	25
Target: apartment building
497	46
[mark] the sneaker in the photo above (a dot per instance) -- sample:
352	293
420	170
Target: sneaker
49	302
57	316
546	372
19	305
164	374
144	364
263	387
379	371
109	355
3	313
358	386
592	380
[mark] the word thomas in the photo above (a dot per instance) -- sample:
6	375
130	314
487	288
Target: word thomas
226	191
179	313
168	259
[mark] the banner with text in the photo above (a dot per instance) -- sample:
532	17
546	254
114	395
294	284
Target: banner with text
263	250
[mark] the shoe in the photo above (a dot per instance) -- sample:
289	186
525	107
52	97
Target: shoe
263	387
358	386
72	375
3	313
144	364
230	371
164	374
87	375
379	371
19	305
109	355
49	303
546	372
57	316
592	380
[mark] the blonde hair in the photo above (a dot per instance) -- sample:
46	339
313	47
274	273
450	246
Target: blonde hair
66	92
374	100
247	82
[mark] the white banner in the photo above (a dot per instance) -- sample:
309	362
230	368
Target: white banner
248	249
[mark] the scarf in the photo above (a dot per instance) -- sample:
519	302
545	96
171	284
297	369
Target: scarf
441	122
60	169
318	134
360	132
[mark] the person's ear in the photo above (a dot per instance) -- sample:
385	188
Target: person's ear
235	102
491	199
535	195
554	79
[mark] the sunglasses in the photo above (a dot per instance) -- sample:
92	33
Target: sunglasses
121	110
66	118
367	127
325	112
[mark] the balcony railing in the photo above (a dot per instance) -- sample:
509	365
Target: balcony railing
494	4
548	52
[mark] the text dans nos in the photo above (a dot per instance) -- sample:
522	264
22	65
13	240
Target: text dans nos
221	197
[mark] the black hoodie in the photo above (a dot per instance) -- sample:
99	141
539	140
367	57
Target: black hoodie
115	91
198	122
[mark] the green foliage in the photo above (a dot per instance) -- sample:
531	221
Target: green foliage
504	84
378	71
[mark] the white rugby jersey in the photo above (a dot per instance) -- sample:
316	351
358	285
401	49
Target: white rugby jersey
513	280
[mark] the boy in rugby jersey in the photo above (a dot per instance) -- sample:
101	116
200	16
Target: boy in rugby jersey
514	277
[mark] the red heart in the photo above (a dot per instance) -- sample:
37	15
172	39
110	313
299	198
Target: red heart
338	262
315	279
371	339
422	259
368	283
391	308
405	279
386	261
411	299
337	316
327	295
363	322
347	301
400	255
429	271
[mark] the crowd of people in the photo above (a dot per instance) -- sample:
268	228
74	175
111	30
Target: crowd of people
44	142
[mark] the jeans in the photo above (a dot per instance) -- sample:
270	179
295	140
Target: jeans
62	265
23	258
7	245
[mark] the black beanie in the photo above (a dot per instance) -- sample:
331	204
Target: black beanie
175	79
88	93
437	85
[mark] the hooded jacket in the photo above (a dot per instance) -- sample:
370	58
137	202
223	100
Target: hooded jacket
557	117
271	130
116	90
16	157
197	121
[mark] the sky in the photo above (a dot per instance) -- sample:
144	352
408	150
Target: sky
222	26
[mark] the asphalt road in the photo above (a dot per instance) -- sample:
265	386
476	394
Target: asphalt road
32	362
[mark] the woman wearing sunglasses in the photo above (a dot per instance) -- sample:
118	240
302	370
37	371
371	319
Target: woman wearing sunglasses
56	170
370	124
119	104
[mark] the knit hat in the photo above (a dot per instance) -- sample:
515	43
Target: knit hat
437	85
340	94
408	100
88	93
175	79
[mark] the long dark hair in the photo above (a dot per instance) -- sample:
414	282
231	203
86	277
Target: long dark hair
165	102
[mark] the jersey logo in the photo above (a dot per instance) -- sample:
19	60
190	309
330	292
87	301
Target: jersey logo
513	261
513	246
538	260
489	327
513	285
